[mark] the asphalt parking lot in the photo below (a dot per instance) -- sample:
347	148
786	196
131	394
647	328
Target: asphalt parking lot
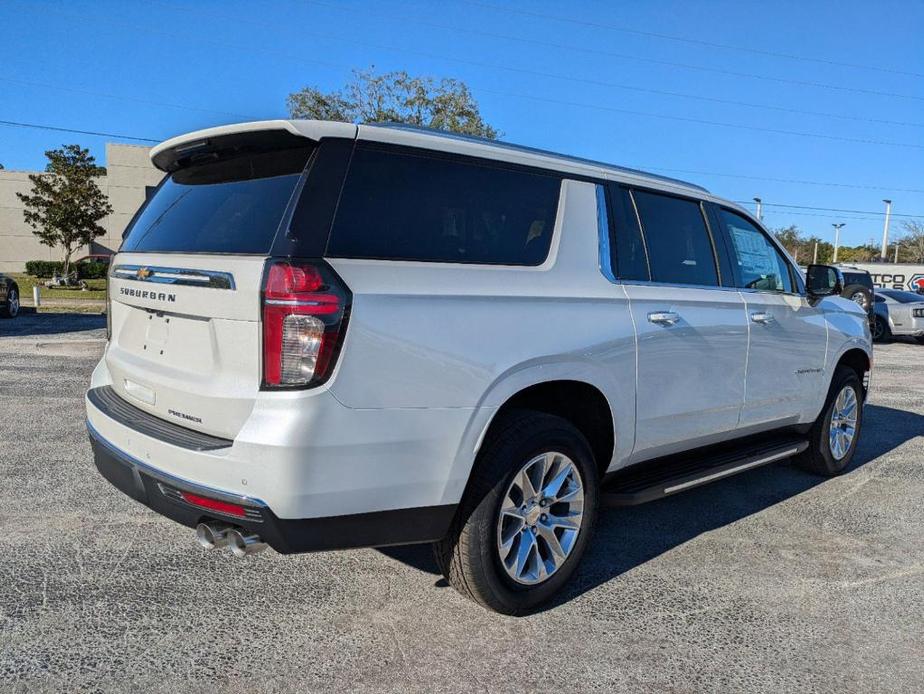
770	581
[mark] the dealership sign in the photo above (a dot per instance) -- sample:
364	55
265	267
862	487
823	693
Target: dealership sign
893	276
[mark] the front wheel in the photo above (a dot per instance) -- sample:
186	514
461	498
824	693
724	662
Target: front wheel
527	516
834	435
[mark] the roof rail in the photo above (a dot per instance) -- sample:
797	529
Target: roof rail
533	150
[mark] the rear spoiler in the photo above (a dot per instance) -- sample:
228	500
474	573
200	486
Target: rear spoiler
243	138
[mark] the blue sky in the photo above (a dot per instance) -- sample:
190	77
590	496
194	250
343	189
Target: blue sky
608	80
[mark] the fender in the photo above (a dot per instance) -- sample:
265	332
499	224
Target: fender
546	370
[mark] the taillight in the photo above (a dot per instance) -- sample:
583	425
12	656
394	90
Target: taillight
305	310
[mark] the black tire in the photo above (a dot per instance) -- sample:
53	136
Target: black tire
817	458
468	557
11	308
881	330
860	294
920	339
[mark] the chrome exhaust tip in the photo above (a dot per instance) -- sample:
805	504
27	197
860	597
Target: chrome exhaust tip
213	535
241	543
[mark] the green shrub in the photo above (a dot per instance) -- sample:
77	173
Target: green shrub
47	268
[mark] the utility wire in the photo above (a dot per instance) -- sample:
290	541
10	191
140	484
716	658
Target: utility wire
829	209
104	95
688	40
15	124
597	51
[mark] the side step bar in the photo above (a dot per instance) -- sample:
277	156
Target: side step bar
655	479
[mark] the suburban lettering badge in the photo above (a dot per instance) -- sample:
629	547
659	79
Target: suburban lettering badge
147	294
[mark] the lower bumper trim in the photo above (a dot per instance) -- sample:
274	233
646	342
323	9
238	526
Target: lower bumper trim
285	535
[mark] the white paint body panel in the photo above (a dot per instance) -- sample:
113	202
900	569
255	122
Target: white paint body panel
433	350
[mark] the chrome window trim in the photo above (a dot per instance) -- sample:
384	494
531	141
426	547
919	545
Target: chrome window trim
211	279
603	235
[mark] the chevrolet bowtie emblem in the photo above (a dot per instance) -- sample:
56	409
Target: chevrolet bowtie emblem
143	273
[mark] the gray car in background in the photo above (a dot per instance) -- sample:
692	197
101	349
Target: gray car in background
898	312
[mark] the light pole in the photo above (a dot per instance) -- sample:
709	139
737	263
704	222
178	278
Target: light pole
837	238
885	231
760	209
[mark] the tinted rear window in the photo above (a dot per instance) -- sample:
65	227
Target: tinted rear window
858	278
231	206
409	206
679	247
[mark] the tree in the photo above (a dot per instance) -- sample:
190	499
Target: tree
66	205
911	245
397	97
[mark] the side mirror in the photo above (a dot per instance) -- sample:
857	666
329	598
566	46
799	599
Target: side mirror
823	280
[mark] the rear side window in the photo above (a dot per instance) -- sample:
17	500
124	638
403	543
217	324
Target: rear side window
679	247
229	206
760	265
408	206
631	258
861	278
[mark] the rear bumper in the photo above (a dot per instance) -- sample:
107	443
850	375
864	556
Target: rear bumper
161	492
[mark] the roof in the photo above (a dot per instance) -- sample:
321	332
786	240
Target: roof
429	138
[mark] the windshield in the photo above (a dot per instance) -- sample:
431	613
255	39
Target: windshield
230	206
902	297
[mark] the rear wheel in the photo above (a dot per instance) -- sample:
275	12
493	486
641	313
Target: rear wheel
833	437
526	518
880	330
11	310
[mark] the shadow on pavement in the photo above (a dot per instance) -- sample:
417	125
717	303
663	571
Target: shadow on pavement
30	324
628	537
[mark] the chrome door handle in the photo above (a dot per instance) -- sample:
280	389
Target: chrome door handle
762	317
663	317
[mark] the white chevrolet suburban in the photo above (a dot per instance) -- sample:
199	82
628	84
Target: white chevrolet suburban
325	336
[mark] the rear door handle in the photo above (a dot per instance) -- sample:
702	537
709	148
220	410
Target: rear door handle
663	317
762	317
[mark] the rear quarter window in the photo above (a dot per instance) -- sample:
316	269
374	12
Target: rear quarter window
426	207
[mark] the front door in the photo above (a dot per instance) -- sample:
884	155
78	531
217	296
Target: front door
788	336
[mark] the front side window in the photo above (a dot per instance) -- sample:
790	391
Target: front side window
679	248
760	264
413	206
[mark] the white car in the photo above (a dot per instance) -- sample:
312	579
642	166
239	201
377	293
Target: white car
326	336
898	312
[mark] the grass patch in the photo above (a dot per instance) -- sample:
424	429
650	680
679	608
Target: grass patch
97	289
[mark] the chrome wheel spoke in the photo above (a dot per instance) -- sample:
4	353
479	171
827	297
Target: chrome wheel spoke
844	417
540	518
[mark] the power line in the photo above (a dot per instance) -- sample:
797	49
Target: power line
829	209
703	121
149	102
556	76
37	126
687	39
596	51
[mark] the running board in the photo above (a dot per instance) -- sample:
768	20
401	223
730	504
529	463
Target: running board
655	479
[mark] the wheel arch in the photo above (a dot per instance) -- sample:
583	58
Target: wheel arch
580	402
859	360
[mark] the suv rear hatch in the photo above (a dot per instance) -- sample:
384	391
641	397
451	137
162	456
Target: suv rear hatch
185	288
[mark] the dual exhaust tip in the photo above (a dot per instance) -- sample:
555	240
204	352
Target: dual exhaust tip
240	542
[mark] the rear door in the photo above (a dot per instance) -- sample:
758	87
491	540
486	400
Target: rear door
787	335
691	330
186	286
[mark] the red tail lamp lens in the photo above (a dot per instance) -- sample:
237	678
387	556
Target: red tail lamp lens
305	306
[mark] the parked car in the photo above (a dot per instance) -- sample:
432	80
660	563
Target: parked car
858	287
898	312
327	336
9	297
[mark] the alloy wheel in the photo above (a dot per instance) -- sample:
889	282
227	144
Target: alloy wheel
843	427
13	303
540	518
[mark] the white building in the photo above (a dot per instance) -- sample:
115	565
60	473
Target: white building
129	174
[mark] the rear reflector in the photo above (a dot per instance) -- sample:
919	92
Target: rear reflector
214	505
305	309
